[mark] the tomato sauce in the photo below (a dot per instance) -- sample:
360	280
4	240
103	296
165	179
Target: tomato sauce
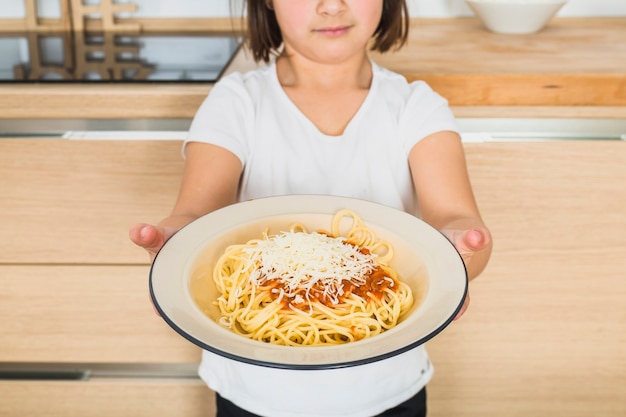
374	288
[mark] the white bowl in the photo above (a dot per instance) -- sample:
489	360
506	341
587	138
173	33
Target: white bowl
423	258
515	16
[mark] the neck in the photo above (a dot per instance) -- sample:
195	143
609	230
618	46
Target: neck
297	72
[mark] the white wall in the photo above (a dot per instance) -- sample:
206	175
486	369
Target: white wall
574	8
418	8
145	8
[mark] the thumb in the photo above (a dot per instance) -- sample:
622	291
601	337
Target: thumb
467	242
476	239
146	236
151	238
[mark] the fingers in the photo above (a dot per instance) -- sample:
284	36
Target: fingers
156	311
463	307
468	243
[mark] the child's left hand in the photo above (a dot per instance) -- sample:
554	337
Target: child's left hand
467	242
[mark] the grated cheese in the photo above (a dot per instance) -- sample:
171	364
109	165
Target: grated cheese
300	261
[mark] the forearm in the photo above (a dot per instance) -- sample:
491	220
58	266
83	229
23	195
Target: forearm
177	221
210	182
446	200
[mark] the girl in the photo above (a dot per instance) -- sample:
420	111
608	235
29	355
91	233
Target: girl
322	118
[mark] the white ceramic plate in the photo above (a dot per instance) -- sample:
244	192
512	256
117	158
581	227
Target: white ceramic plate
424	259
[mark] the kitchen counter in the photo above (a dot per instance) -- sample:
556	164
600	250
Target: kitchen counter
573	68
571	62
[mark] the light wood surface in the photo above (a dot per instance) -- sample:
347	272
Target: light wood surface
106	11
101	101
545	334
529	89
159	25
33	22
182	101
205	25
566	112
106	398
573	63
72	202
84	314
463	46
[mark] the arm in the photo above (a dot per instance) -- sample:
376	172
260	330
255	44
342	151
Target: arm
210	181
446	200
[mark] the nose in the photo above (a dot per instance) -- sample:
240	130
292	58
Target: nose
331	7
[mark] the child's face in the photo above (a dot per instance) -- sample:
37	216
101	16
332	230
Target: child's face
327	31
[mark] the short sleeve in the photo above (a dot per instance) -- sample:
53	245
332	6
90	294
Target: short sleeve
424	113
224	117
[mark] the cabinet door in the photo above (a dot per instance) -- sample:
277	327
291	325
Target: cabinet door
107	397
546	328
72	201
86	314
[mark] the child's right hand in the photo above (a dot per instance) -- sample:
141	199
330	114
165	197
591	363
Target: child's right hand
150	237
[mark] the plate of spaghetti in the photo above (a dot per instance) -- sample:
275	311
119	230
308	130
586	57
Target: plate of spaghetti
308	282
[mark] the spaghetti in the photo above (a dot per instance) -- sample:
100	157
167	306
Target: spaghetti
301	288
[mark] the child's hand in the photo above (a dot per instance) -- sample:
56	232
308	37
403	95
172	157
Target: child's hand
150	237
467	242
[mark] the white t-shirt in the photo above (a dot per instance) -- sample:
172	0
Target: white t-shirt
282	153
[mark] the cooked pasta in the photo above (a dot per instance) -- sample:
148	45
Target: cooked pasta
301	288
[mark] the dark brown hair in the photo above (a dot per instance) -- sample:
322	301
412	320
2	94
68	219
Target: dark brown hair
264	38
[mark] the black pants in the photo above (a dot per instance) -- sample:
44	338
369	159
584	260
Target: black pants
413	407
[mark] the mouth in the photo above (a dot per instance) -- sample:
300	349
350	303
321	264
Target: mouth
333	31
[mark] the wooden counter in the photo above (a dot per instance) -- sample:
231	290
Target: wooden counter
573	68
572	62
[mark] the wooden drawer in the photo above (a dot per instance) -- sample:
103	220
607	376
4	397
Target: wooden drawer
84	313
107	397
72	201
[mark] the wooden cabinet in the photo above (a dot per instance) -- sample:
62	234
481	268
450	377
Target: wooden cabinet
105	397
545	334
74	290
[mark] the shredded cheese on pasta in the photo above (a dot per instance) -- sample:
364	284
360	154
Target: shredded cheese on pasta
301	261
